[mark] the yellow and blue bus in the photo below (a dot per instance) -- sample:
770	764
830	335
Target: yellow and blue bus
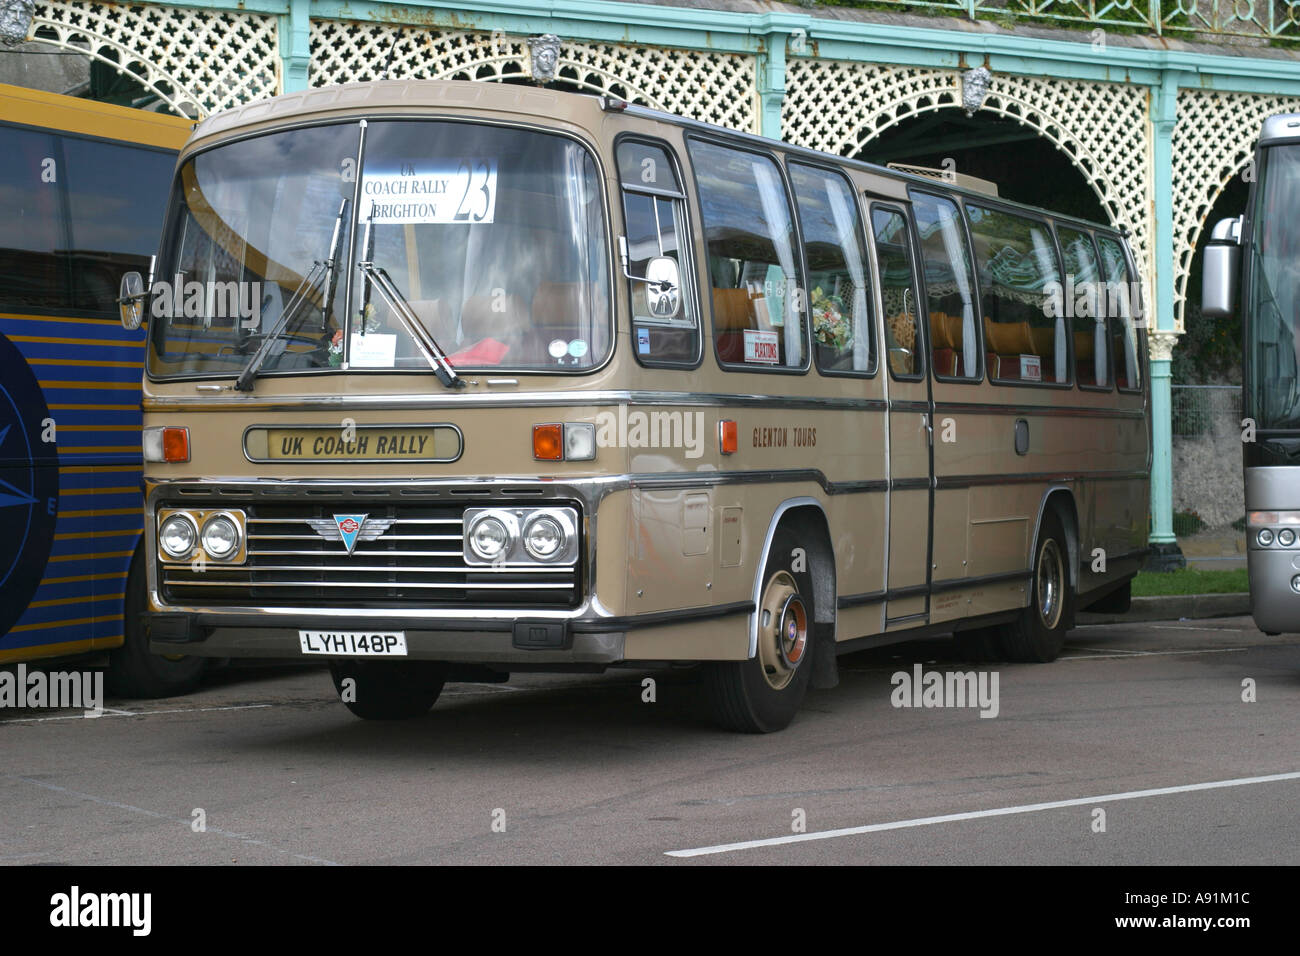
83	187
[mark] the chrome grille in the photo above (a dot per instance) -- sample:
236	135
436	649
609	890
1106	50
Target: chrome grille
408	555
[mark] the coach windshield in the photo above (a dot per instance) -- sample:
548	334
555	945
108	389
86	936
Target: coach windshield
493	238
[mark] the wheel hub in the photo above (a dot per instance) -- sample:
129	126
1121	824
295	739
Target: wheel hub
1050	583
782	630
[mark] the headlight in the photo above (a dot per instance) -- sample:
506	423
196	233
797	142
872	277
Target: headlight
1265	537
176	537
220	537
1286	537
489	537
543	537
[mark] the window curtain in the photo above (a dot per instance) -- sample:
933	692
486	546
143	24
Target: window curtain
778	224
844	225
1046	269
956	249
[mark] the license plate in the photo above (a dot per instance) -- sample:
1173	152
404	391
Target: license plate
354	643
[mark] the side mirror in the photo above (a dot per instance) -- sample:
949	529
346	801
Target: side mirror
130	303
663	282
663	287
1221	268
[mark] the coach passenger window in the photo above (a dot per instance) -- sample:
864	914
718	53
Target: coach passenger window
1123	303
1024	334
1083	299
839	285
753	262
949	288
653	210
897	292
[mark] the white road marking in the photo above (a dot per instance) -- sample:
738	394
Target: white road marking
1100	655
109	712
980	814
242	837
1188	627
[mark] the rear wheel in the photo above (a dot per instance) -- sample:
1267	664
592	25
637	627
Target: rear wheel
388	690
763	694
132	670
1039	633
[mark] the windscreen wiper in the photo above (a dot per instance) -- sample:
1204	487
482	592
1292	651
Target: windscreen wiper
433	354
328	267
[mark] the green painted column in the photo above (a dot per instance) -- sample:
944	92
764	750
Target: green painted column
1161	337
295	46
771	84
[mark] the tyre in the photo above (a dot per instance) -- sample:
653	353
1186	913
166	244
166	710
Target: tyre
1039	633
132	670
388	690
763	694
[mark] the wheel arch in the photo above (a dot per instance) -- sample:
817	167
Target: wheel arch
1060	500
805	512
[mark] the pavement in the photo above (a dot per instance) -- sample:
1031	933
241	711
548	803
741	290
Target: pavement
1218	550
1144	743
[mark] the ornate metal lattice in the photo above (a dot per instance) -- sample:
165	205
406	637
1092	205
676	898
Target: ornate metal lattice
715	87
1103	127
839	107
1214	139
197	61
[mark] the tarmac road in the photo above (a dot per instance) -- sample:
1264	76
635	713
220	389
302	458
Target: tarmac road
579	769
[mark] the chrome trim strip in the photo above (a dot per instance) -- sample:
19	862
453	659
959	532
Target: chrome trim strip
959	584
421	569
538	399
944	482
427	612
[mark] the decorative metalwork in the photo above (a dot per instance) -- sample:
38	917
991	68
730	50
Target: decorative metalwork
226	57
715	87
1102	127
1214	140
974	88
1259	18
543	57
16	21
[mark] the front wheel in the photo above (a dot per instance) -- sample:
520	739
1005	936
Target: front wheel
132	670
1039	633
763	694
388	690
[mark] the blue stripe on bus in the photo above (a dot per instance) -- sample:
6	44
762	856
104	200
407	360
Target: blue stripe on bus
80	351
108	330
100	478
91	607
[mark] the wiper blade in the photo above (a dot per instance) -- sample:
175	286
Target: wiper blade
434	355
330	267
245	381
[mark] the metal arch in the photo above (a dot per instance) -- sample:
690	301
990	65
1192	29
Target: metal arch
150	79
993	102
781	509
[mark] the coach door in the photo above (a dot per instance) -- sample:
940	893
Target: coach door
910	421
